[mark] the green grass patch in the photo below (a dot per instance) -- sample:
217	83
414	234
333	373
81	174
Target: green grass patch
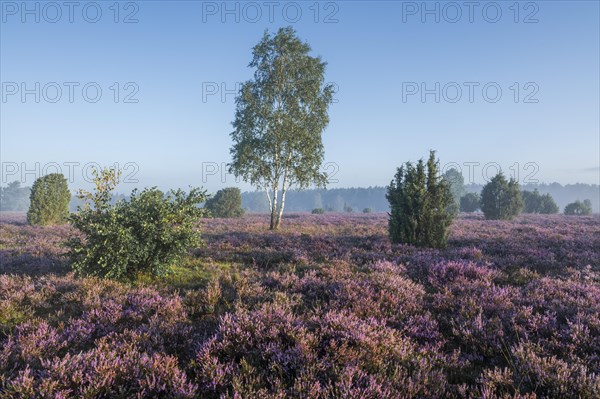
191	273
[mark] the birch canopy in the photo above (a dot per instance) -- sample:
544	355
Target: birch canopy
280	116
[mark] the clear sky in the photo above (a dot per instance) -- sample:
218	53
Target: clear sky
176	63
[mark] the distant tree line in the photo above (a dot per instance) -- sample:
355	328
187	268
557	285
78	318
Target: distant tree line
579	208
15	198
534	202
562	195
424	202
330	200
334	200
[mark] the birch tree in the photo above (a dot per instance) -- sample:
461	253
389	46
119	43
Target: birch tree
280	116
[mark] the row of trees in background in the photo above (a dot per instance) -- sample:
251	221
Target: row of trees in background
502	199
230	202
579	208
330	200
14	198
423	203
347	209
533	201
499	189
338	199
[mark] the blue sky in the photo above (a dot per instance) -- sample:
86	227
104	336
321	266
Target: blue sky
179	55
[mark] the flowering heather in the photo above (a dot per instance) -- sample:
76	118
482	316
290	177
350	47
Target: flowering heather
26	249
325	308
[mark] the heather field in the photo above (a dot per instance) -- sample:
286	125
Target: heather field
324	308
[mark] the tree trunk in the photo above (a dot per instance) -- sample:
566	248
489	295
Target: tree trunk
283	191
278	221
274	223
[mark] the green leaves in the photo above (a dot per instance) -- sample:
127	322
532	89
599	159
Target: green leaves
470	202
146	234
227	203
579	208
422	205
538	203
501	199
49	200
280	116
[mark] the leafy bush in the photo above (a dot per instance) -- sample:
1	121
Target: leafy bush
318	211
579	208
422	206
537	203
501	199
147	234
49	200
548	205
470	202
227	203
367	210
348	208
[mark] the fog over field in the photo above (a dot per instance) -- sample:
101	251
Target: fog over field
300	199
151	86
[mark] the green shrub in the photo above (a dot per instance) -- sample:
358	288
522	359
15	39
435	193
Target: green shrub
469	202
537	203
579	208
144	235
367	210
318	211
548	205
49	200
501	199
422	206
227	203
